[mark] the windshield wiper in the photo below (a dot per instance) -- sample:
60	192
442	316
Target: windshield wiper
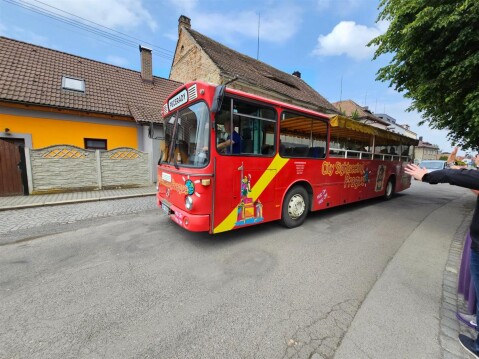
175	162
174	143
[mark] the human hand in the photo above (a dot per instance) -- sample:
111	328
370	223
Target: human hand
452	157
415	171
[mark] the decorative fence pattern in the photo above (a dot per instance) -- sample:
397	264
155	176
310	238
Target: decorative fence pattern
65	168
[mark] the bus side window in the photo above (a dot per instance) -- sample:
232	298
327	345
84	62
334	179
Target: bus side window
256	126
302	136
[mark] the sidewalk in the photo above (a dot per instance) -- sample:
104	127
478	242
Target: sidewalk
20	202
411	310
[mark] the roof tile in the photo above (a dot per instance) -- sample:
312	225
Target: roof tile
233	63
33	74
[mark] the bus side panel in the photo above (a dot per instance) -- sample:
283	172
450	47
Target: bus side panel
326	190
244	192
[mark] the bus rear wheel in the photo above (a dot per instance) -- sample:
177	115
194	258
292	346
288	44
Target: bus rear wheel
389	192
295	207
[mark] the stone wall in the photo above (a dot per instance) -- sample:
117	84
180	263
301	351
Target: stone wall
191	63
68	168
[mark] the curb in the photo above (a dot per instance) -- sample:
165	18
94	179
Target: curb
73	201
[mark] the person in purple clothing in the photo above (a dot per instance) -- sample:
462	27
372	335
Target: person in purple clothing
467	179
233	139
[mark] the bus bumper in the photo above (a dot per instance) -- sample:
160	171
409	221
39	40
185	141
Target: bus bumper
191	222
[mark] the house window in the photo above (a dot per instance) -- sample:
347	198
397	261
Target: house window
95	144
72	84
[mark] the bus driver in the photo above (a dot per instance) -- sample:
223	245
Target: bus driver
232	139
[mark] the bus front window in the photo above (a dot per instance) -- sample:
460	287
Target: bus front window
187	137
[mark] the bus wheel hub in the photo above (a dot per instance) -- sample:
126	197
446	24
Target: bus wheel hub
296	206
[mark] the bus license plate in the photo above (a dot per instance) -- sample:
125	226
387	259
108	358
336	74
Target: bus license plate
165	209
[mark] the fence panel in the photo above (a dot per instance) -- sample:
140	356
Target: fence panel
125	167
63	168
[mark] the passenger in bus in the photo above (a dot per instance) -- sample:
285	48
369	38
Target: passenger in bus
467	179
233	139
282	148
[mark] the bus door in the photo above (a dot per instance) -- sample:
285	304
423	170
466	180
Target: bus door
245	170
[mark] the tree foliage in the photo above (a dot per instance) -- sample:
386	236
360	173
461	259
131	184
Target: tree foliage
435	47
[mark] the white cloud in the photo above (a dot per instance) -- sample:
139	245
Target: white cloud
227	26
323	4
342	8
117	60
110	13
350	39
184	6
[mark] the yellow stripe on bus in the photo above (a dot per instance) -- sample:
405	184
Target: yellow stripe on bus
275	166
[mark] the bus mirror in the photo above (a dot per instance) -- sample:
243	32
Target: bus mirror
218	99
154	132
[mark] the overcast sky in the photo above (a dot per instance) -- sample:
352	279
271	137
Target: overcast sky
323	39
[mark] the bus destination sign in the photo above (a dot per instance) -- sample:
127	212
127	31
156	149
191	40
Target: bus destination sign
178	100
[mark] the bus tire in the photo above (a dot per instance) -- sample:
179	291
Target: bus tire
295	207
389	191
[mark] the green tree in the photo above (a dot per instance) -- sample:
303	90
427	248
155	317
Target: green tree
435	47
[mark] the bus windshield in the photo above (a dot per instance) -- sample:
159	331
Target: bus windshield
187	137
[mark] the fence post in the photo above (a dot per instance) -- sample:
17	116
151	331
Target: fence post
98	168
28	165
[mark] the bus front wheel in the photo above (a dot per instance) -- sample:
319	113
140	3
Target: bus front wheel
295	207
389	192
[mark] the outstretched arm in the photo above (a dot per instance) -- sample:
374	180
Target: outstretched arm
462	177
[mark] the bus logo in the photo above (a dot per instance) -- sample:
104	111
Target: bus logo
178	100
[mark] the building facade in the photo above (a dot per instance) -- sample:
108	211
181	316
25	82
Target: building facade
425	151
199	58
48	97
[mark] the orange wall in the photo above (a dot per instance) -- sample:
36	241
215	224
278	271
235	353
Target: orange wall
47	132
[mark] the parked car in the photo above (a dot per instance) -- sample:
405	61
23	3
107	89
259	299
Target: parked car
433	165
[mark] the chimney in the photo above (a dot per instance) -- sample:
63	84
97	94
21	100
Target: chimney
420	138
297	74
184	21
146	64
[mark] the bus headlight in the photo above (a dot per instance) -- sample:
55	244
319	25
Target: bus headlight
189	202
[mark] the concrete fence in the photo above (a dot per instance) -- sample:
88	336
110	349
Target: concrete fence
68	168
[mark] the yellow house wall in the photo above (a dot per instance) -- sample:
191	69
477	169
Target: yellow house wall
48	132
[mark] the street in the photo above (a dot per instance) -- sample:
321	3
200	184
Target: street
119	280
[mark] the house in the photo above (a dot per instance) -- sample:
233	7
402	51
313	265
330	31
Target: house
362	114
198	57
49	97
425	151
394	127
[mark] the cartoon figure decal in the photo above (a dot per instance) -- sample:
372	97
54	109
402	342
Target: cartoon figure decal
380	178
249	212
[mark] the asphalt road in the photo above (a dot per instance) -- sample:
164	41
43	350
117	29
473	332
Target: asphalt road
138	286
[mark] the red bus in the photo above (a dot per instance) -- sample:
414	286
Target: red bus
232	159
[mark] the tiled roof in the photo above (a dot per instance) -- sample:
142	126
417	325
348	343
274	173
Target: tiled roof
349	107
31	74
426	145
233	63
